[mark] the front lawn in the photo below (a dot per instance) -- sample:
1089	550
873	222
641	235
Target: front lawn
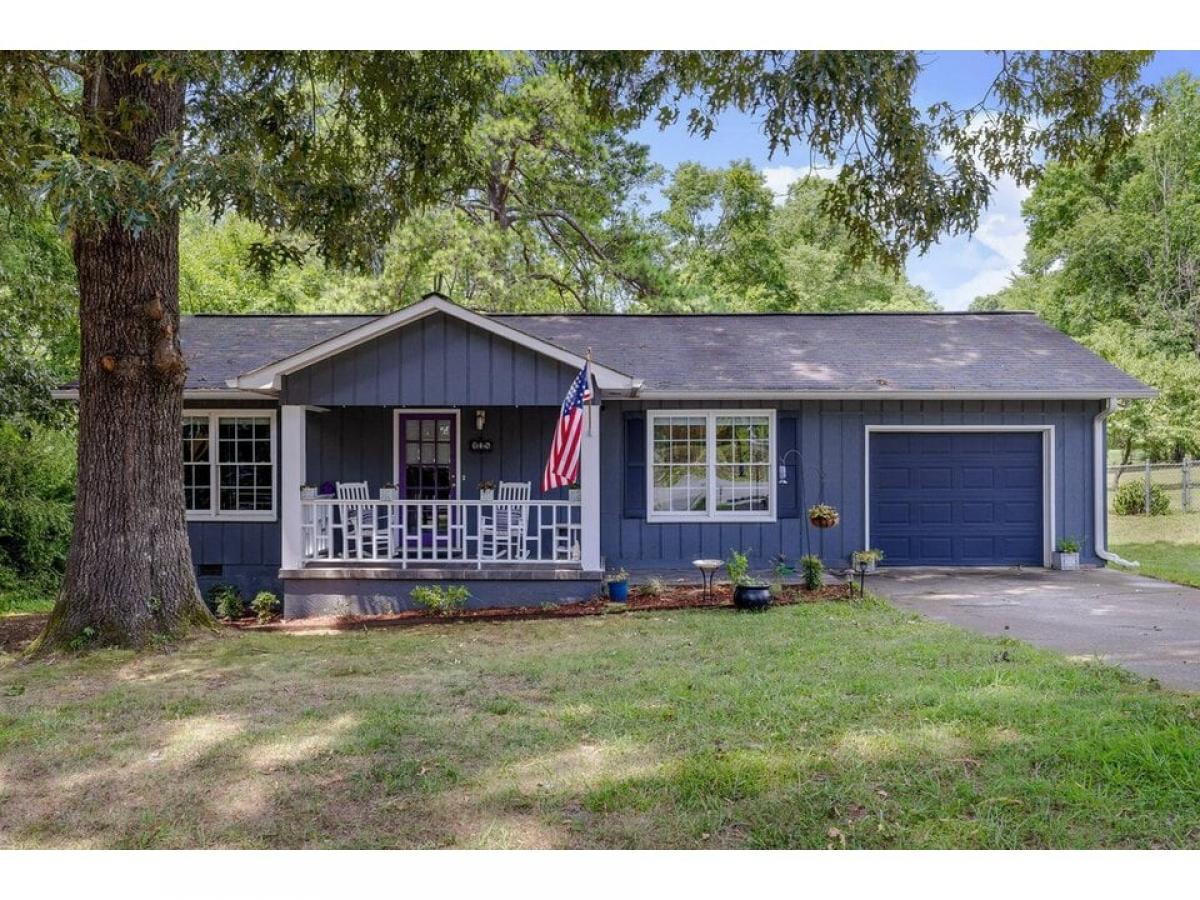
808	726
1168	547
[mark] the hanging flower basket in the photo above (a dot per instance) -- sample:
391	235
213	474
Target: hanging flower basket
823	516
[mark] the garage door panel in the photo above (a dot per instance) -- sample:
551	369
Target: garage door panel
957	498
940	477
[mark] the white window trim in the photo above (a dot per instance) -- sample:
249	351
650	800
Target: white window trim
711	514
1049	513
214	514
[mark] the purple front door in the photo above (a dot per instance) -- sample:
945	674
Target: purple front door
428	463
428	471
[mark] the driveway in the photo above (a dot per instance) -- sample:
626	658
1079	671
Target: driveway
1150	627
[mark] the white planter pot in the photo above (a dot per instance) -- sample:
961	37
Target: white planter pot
1067	562
389	494
868	567
487	496
575	495
308	493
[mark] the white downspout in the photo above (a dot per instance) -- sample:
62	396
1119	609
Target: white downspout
1100	487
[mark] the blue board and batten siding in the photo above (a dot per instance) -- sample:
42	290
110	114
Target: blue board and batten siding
436	361
830	437
244	554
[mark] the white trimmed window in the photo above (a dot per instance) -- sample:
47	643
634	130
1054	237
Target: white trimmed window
711	465
229	464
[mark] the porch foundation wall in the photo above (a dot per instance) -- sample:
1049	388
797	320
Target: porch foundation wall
306	597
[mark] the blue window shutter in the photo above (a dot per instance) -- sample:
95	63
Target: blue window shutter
635	466
788	495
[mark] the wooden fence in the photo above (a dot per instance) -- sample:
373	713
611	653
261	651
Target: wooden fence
1177	479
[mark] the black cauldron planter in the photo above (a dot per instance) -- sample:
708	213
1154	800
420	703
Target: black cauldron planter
755	597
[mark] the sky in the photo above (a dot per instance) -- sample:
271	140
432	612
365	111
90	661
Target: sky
958	269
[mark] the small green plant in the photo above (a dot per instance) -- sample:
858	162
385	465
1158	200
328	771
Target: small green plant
548	606
812	571
265	604
226	600
441	601
617	575
776	590
83	639
1067	545
1130	499
486	485
866	557
653	587
738	566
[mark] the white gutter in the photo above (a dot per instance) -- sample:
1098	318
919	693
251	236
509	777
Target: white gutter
1100	488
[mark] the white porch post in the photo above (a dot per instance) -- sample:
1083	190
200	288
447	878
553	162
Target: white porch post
292	476
589	485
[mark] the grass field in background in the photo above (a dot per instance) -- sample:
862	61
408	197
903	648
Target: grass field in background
806	726
1167	547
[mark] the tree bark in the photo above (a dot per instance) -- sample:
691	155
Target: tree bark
129	578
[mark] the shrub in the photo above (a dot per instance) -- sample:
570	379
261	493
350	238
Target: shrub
1130	499
265	604
441	601
811	572
227	601
652	588
1067	545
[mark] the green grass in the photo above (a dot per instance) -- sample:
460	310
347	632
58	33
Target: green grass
19	594
806	726
1168	547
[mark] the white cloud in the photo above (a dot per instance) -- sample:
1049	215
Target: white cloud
780	178
959	269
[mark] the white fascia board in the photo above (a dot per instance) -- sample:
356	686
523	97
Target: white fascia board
188	394
893	395
269	377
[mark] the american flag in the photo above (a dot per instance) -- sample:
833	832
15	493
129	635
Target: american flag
562	468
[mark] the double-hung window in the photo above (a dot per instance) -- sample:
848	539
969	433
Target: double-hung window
711	465
229	464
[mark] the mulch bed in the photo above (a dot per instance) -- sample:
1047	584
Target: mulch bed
674	597
19	629
16	631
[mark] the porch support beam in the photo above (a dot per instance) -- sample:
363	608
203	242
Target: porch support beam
292	475
589	485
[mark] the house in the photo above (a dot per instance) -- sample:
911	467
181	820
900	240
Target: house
948	439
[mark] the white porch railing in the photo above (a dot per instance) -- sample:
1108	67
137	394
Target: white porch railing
421	532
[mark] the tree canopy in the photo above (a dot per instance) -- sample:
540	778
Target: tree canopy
1114	260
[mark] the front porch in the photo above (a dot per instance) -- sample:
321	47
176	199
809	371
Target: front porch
448	495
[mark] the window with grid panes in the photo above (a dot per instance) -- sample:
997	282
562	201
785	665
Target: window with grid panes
711	465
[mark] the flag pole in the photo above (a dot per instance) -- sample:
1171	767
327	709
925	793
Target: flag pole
588	386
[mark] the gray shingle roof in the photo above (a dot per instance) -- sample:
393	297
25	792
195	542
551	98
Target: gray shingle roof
970	353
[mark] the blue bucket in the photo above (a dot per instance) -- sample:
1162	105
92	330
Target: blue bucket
618	591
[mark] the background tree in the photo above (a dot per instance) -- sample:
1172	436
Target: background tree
1114	260
726	245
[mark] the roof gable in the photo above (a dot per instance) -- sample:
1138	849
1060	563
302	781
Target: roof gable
269	377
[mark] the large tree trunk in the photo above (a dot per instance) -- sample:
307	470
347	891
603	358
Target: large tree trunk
129	576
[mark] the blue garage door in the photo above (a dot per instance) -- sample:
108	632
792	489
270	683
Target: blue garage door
953	498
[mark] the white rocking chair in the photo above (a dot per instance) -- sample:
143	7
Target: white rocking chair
362	537
504	531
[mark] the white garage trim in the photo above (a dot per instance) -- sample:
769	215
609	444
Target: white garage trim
1047	431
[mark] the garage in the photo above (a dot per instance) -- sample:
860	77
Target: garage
957	498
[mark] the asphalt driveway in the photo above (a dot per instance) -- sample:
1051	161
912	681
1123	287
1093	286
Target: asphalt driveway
1150	627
